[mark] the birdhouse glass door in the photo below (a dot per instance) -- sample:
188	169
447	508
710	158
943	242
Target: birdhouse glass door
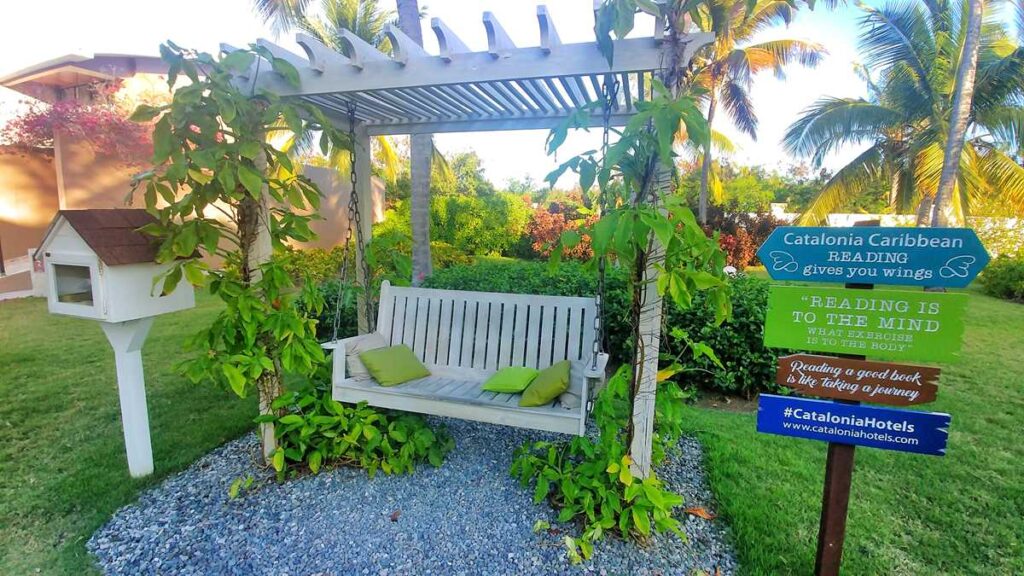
73	284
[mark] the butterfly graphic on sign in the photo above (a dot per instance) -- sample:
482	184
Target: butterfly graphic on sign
783	261
957	267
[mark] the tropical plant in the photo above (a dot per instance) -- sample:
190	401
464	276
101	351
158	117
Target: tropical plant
914	49
726	69
217	191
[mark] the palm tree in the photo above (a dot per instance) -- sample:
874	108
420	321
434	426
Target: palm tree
915	48
963	92
420	152
727	68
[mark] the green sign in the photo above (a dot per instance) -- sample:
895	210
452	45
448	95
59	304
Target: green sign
887	324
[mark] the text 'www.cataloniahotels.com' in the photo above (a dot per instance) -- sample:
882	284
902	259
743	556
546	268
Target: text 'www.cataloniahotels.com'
865	427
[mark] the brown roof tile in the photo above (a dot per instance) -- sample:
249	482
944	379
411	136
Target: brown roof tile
113	234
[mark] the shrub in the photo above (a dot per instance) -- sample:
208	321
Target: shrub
749	231
1004	278
314	264
314	431
747	366
546	228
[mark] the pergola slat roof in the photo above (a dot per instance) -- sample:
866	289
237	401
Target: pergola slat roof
503	88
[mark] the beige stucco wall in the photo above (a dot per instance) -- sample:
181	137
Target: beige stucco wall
336	189
28	198
91	178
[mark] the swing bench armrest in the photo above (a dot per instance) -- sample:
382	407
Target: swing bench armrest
597	372
338	362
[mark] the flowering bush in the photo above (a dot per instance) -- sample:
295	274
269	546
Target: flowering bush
104	125
546	228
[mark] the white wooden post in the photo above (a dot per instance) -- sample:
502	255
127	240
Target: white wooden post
126	338
365	192
646	372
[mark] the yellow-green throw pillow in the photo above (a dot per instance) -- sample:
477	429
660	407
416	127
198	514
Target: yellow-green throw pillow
547	385
394	365
511	380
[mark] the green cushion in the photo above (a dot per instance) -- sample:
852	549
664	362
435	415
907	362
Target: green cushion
511	380
547	385
394	365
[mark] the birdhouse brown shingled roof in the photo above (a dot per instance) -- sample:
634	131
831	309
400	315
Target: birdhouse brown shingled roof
113	234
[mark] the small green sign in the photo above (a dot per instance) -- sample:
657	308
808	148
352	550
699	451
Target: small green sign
887	324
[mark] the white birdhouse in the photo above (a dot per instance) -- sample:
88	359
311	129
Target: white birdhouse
99	266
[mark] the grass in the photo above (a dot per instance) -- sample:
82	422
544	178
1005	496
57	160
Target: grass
909	514
62	463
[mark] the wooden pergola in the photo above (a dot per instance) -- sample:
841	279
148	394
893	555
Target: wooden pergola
505	87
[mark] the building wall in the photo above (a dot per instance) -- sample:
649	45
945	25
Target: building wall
93	179
28	198
337	189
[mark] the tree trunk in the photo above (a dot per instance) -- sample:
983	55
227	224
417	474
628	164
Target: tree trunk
943	213
421	149
257	249
924	212
705	168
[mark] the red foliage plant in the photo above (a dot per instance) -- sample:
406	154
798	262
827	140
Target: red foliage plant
546	227
105	127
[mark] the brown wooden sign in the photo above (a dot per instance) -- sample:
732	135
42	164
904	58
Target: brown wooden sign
861	380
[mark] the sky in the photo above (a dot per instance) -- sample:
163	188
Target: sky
31	34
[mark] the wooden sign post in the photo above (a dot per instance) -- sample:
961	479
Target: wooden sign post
855	322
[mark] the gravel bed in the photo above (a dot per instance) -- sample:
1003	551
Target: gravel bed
467	517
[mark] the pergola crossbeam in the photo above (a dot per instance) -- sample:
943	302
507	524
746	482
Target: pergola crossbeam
462	90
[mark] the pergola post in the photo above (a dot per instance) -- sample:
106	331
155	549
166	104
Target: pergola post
364	191
421	148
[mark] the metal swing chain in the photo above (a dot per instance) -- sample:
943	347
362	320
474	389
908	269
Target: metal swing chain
610	89
355	218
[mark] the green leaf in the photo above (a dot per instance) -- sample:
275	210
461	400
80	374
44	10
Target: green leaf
642	521
314	460
290	419
287	70
250	149
588	172
251	180
145	113
235	379
163	141
277	460
238	61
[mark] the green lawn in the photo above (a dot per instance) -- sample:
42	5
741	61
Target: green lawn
909	514
62	463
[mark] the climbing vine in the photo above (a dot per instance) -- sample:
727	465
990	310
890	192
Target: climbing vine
219	189
644	230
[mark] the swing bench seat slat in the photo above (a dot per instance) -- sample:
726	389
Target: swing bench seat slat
463	338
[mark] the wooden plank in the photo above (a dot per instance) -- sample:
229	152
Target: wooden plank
455	338
547	331
409	319
493	336
533	330
557	94
519	335
506	340
468	334
444	328
858	380
558	351
433	325
398	322
575	332
483	313
420	333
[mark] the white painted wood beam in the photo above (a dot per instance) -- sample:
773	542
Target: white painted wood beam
498	41
659	19
549	39
360	51
319	55
492	124
283	53
447	41
402	46
631	55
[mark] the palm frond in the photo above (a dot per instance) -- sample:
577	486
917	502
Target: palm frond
833	122
777	54
1005	124
1004	177
848	183
281	14
738	105
897	33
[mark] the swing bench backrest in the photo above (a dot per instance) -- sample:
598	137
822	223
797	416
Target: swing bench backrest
464	337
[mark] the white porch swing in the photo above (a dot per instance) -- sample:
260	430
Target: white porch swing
464	337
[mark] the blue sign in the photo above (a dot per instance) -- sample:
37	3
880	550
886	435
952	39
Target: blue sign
938	257
886	428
